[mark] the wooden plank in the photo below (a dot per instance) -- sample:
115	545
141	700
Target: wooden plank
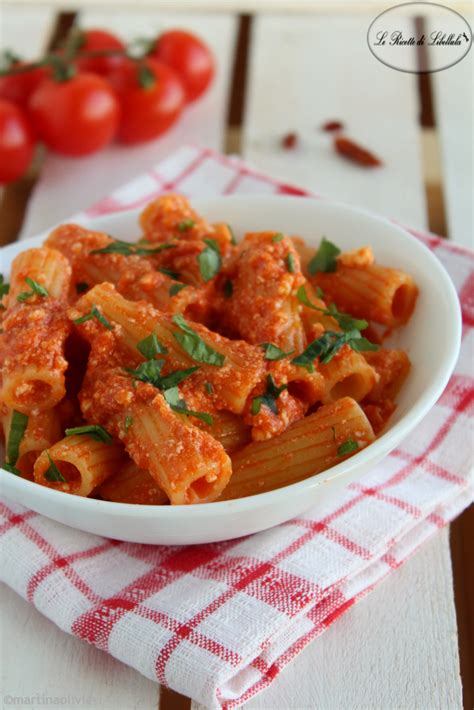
39	661
395	649
453	91
306	71
68	185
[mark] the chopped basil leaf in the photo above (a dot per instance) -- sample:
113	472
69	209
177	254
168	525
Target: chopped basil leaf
176	288
4	287
128	422
179	405
328	344
36	290
53	473
174	378
272	352
150	372
233	240
127	249
81	287
194	345
319	292
95	431
209	388
347	447
151	346
12	469
290	261
268	398
209	260
278	237
168	272
346	321
228	288
361	344
186	224
18	426
325	258
94	313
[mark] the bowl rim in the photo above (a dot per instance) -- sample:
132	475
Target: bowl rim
380	447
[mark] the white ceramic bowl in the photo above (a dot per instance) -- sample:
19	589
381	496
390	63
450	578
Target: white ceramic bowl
432	339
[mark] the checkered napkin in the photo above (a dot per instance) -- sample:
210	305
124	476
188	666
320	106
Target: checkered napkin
219	622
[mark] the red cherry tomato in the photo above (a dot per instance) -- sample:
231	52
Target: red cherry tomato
189	57
19	87
16	142
76	116
96	40
151	99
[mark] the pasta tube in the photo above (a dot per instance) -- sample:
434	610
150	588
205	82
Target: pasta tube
78	464
185	461
232	381
132	485
307	447
42	431
375	292
261	305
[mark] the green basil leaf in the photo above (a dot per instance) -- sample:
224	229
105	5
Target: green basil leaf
95	431
362	344
278	237
94	313
168	272
325	258
36	290
149	371
174	378
128	422
179	405
53	473
4	287
128	249
176	288
233	240
268	398
186	224
209	388
10	468
18	426
272	352
209	260
347	447
151	346
194	345
290	262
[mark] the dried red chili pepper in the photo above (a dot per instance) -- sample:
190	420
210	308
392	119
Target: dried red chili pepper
331	126
289	141
356	153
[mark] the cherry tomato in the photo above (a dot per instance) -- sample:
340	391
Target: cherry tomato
96	40
16	142
19	87
151	99
77	116
189	57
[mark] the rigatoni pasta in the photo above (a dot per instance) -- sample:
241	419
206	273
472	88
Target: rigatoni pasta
186	368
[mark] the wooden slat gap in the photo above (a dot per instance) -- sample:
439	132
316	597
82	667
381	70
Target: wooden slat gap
238	85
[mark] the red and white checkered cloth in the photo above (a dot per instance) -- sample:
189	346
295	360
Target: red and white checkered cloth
218	622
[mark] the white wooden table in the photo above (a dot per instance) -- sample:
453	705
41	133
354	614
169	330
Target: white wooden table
302	70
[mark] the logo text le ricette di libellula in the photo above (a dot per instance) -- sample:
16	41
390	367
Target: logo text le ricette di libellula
419	37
